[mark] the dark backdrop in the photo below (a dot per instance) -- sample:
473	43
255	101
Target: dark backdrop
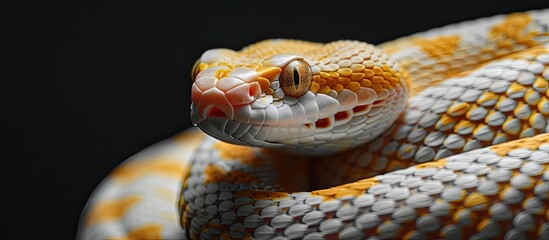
89	85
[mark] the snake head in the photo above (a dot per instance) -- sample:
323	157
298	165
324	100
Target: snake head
301	97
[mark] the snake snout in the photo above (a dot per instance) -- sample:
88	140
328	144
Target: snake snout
219	98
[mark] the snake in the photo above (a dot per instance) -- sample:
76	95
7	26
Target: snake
437	135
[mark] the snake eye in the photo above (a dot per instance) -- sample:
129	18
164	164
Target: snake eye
296	78
195	70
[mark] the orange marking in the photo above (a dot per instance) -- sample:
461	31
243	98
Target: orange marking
357	76
330	82
327	192
531	52
111	210
516	87
350	189
221	72
315	87
377	71
476	199
377	79
343	80
268	72
324	75
201	67
483	224
462	124
347	192
436	164
540	83
353	86
324	89
244	154
147	231
130	171
189	137
445	120
117	238
338	87
474	217
362	186
530	143
316	78
487	96
458	109
264	83
365	83
215	174
439	46
513	27
368	73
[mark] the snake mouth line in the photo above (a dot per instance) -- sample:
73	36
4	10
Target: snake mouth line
246	114
319	123
216	112
295	128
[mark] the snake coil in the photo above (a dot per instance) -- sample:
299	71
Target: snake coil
437	135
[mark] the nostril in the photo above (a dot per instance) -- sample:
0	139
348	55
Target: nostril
216	112
243	94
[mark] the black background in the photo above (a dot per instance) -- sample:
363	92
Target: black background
89	85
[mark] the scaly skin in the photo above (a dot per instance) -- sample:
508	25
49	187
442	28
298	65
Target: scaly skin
449	167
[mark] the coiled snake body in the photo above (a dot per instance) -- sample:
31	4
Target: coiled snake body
436	135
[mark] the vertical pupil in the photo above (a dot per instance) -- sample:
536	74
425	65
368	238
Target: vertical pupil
296	78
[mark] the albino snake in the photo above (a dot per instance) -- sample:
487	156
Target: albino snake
435	135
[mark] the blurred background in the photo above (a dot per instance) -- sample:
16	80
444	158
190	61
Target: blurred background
89	85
